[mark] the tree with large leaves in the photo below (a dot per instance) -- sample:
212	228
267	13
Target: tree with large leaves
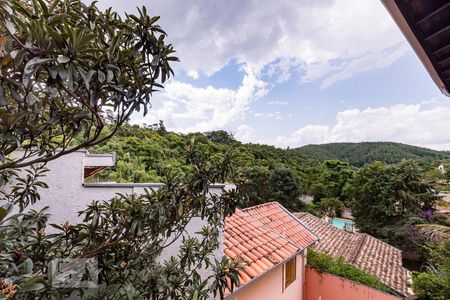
70	76
127	236
67	70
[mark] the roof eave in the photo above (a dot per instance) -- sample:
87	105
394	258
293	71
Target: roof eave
256	278
401	22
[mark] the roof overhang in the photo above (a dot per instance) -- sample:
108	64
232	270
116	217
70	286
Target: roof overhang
426	26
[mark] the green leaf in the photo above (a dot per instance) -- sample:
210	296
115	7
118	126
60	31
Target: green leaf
2	96
53	72
10	26
33	287
109	76
18	59
32	64
52	268
3	213
27	266
87	78
195	296
155	61
31	99
63	59
101	76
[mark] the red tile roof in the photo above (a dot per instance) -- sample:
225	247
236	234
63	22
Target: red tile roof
281	221
362	250
251	236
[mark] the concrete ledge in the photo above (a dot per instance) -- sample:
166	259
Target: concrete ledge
131	185
120	185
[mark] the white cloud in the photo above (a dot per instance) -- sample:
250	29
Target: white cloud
327	40
193	74
362	64
410	124
186	108
277	103
277	115
245	133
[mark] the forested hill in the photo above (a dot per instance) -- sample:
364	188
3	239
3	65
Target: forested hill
359	154
143	153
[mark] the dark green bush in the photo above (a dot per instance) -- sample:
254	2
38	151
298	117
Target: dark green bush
434	284
431	286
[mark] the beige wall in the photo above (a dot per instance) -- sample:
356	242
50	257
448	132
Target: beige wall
326	286
270	286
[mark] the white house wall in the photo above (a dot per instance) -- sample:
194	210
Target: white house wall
67	194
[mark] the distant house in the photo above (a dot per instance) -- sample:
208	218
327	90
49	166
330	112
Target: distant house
272	244
441	168
361	250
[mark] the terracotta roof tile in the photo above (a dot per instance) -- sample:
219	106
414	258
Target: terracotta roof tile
262	238
277	218
361	250
248	239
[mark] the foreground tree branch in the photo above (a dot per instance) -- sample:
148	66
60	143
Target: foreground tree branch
67	70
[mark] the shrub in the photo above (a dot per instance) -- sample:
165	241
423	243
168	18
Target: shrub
434	284
324	263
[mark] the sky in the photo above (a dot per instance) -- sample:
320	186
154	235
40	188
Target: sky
291	73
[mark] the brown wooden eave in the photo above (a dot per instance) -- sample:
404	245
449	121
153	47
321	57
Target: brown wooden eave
429	21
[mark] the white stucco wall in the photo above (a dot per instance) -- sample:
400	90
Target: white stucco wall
67	195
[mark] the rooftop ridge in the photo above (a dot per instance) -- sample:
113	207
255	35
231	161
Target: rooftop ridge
298	221
357	250
259	205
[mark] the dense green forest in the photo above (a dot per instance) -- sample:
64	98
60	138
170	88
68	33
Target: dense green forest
267	173
359	154
143	153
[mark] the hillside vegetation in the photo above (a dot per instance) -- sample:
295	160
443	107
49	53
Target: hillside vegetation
359	154
144	153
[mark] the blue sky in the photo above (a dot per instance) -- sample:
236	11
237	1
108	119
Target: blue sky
290	73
